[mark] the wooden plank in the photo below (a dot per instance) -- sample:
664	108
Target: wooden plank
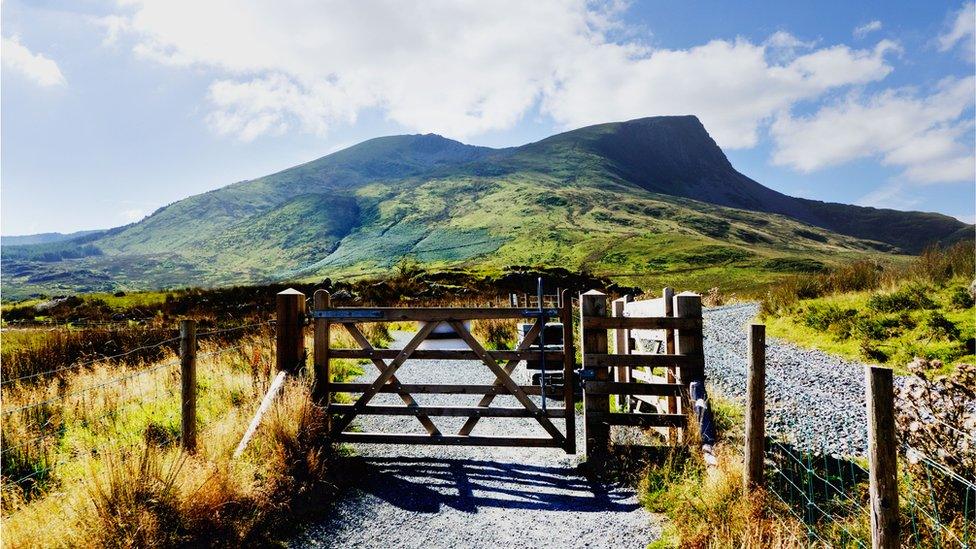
448	440
444	354
361	339
428	314
641	420
654	389
569	367
435	389
640	361
384	377
450	411
486	400
641	323
506	379
667	294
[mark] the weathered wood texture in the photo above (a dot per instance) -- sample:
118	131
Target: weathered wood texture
688	308
569	368
882	457
593	304
188	383
321	300
290	339
755	409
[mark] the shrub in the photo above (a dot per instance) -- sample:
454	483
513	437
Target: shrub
940	326
821	316
961	298
909	297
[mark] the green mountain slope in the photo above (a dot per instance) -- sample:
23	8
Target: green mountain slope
646	200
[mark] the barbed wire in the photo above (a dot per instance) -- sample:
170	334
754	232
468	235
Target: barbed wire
90	362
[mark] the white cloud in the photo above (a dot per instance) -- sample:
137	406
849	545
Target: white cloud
961	31
132	215
867	28
928	136
892	195
41	70
465	68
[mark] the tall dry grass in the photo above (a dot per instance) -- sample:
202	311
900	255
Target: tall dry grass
935	265
104	467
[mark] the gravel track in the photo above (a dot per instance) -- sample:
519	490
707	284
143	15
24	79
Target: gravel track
444	496
813	399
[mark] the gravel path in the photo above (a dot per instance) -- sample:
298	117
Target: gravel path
443	496
813	399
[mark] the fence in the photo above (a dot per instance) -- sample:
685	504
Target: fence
839	500
60	423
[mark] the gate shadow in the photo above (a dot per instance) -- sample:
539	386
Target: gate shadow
424	485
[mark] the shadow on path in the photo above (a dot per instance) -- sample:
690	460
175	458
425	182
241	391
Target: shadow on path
424	485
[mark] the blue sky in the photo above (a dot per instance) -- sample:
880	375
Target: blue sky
111	110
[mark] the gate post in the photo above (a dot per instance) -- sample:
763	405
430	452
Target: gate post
594	341
290	339
755	449
882	457
188	383
321	394
569	369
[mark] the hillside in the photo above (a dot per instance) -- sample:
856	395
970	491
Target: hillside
650	200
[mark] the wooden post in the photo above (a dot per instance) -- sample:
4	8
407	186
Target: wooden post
188	383
882	457
594	340
569	369
290	340
689	341
755	409
321	392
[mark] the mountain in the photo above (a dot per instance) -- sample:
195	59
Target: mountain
645	200
42	238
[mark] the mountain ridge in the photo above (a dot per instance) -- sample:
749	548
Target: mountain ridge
642	183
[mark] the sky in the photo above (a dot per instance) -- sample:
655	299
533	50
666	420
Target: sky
109	110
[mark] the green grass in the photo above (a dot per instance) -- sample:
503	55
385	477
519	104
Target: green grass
889	326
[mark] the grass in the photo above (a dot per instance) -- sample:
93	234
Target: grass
886	314
104	467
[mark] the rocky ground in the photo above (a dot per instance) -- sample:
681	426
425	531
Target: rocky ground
813	399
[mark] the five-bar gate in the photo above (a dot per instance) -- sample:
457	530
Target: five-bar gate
388	361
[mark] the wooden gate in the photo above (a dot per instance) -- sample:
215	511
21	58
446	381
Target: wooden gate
680	355
341	415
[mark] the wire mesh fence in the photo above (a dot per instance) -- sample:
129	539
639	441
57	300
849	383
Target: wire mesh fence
48	424
829	495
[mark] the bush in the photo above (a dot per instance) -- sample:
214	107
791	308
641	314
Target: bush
821	316
940	326
910	297
961	298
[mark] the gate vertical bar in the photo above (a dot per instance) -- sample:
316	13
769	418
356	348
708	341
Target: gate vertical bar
667	294
621	374
321	391
689	343
569	367
596	433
